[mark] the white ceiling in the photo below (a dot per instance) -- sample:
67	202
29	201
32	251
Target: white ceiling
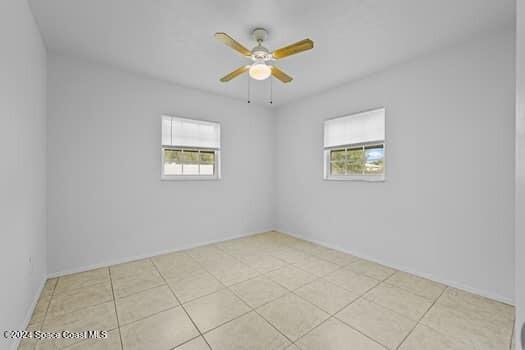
173	39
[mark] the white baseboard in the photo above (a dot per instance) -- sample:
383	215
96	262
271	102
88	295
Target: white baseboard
450	283
29	313
146	255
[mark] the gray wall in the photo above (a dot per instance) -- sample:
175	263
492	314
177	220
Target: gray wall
446	209
106	200
520	171
23	165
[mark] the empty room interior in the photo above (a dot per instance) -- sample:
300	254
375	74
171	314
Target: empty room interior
238	175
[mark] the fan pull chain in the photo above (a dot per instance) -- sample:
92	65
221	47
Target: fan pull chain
249	89
271	90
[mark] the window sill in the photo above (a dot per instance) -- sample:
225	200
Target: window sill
189	178
363	178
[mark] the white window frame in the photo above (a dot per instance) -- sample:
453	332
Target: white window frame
363	177
216	151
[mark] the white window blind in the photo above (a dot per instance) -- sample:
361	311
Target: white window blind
355	129
182	132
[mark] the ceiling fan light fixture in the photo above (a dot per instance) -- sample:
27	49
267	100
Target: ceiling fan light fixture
260	71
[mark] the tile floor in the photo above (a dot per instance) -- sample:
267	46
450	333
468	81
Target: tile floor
266	291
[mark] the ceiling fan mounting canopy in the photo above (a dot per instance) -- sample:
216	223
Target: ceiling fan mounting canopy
261	56
260	34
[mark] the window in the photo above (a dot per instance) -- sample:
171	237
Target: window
354	147
190	149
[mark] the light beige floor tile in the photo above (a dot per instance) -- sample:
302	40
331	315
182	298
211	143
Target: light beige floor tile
291	277
316	266
335	335
180	270
133	284
258	291
371	269
71	283
305	246
326	295
264	263
384	326
417	285
351	281
477	306
195	344
99	317
203	252
176	265
162	331
293	347
218	262
41	308
293	316
246	332
399	300
112	342
233	273
30	343
476	331
194	285
335	256
49	286
85	297
290	255
215	309
143	304
131	269
426	338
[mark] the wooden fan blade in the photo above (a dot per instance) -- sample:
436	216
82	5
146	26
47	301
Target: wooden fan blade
289	50
282	76
235	73
228	40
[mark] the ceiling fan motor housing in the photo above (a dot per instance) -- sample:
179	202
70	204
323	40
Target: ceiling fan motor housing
261	53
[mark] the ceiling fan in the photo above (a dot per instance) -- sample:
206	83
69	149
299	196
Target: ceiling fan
261	56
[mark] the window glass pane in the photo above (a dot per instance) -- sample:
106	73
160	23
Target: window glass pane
172	155
172	168
337	168
207	157
337	154
191	156
207	169
190	169
355	155
354	168
374	159
172	164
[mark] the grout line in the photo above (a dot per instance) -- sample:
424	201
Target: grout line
181	305
512	334
360	332
48	304
421	318
141	291
274	327
115	306
153	314
187	341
